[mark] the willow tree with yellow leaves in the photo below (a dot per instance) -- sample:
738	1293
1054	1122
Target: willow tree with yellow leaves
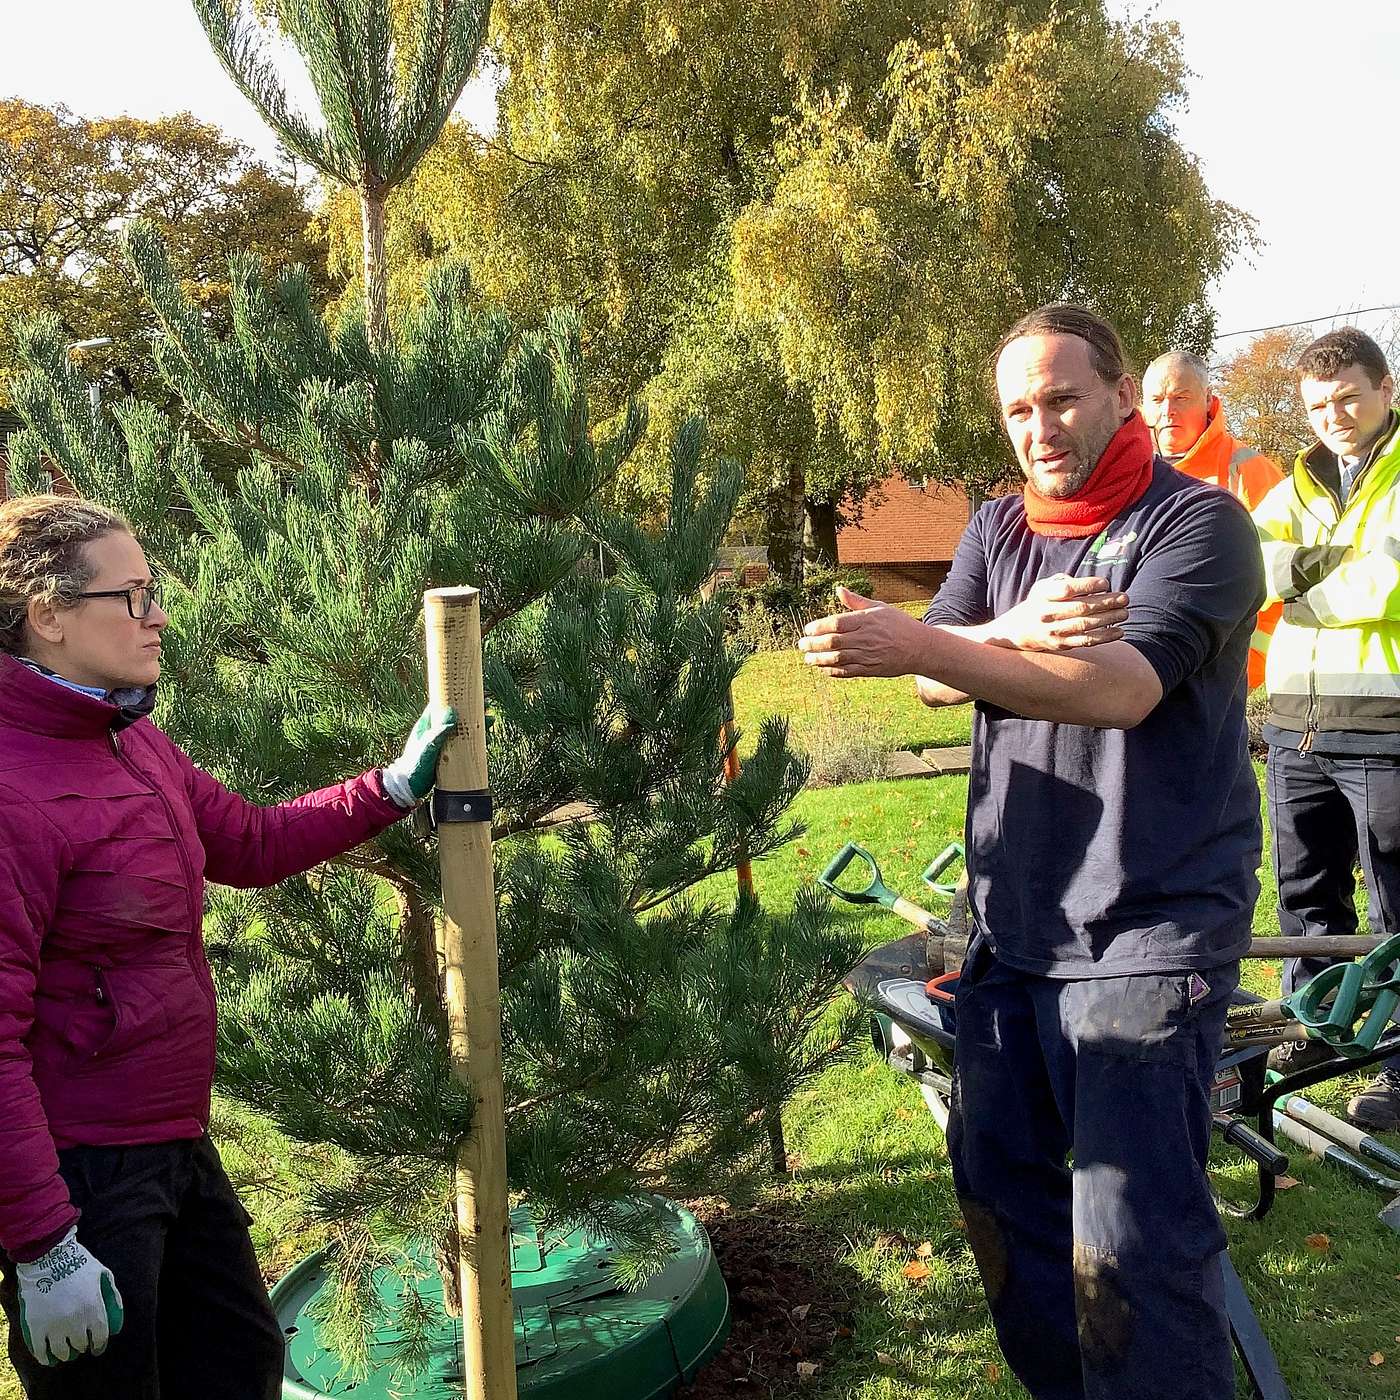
1013	155
810	222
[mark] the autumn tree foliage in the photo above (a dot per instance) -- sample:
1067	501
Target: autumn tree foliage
1259	388
70	184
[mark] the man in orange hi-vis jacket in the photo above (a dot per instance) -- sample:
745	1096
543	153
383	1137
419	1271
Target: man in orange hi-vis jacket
1189	430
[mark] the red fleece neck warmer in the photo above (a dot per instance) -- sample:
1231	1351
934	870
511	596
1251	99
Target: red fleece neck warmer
1122	475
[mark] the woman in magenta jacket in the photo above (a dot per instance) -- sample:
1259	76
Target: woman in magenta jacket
127	1266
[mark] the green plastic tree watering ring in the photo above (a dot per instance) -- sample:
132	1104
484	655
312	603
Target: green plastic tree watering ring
579	1335
1332	1002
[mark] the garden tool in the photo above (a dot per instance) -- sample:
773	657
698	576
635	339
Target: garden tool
1348	1006
945	940
1328	1151
1332	1003
1345	1134
874	891
939	864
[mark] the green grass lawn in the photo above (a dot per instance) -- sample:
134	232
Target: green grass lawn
869	1164
778	683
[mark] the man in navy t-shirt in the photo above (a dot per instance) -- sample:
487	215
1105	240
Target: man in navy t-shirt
1100	621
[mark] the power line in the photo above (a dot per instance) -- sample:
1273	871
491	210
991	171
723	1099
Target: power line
1308	321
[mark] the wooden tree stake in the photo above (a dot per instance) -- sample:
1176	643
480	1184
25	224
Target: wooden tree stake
472	991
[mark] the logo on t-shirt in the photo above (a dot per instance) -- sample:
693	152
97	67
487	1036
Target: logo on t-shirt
1105	553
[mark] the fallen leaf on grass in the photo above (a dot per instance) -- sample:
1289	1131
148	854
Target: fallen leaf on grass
803	851
1286	1183
1319	1244
807	1370
916	1271
925	1250
992	1372
883	1358
893	1240
1377	1358
902	1112
799	1313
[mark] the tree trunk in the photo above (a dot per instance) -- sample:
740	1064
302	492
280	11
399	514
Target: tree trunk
448	1259
376	303
375	274
786	516
421	935
819	537
777	1142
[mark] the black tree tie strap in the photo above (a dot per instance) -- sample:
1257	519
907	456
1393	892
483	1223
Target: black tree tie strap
461	806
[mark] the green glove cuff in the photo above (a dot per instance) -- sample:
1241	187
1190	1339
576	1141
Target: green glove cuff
411	774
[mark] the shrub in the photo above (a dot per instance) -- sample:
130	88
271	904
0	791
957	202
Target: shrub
844	748
768	616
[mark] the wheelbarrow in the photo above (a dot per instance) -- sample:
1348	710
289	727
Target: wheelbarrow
911	984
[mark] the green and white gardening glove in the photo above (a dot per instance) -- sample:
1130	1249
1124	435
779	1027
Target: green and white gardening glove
409	778
68	1303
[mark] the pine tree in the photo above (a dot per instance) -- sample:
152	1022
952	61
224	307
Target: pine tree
652	1025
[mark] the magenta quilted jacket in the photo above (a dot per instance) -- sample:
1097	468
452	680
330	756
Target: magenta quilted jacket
107	1013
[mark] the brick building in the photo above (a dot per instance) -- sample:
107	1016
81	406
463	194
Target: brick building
10	422
905	539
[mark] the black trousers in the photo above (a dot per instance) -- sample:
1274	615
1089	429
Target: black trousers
1327	813
1078	1136
198	1324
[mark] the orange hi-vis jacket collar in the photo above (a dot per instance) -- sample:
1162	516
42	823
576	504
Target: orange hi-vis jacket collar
1218	458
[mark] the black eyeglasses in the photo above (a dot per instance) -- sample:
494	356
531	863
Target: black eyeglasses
139	600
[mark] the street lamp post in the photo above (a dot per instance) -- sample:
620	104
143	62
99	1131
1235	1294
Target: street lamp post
94	388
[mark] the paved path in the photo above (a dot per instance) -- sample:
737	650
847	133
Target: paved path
931	763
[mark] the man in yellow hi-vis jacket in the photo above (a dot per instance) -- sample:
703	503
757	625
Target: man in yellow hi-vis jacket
1331	539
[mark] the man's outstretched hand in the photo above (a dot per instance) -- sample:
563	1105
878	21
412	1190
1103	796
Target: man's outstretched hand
869	639
1059	613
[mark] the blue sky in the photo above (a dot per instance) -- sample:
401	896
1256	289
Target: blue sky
1291	114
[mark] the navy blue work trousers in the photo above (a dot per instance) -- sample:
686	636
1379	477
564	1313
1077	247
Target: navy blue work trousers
1328	813
164	1218
1078	1136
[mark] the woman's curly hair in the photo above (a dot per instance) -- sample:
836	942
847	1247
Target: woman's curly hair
41	555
